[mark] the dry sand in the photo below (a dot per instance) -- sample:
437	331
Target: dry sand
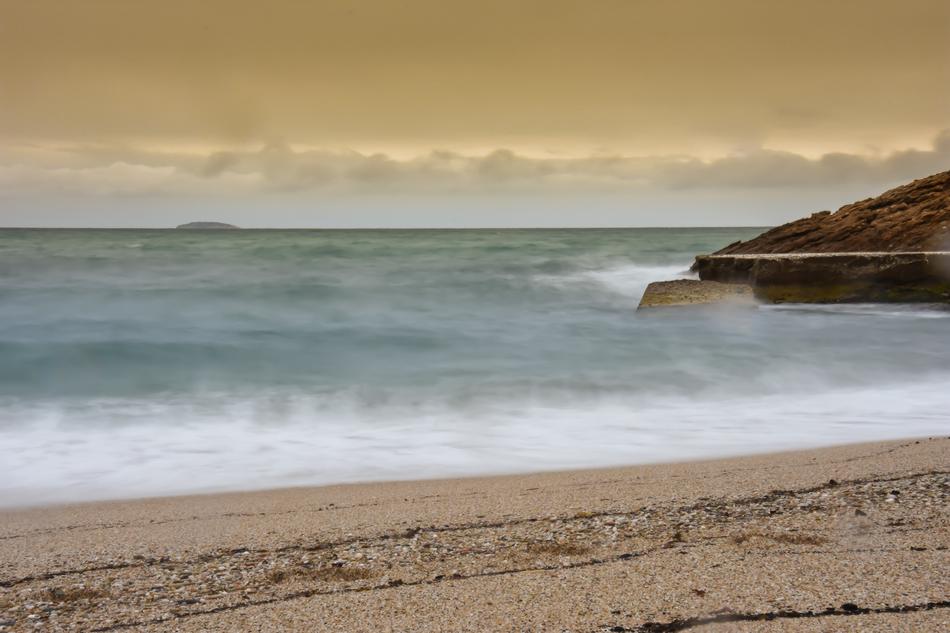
849	538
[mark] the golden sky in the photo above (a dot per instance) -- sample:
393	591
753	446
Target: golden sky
125	96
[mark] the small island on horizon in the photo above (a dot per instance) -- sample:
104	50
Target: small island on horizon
207	225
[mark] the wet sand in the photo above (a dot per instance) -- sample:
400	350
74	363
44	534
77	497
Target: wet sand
851	538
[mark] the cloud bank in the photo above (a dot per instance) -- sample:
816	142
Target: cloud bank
277	168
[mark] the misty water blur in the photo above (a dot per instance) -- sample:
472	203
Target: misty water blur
152	362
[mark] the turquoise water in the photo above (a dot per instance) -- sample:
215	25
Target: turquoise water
151	362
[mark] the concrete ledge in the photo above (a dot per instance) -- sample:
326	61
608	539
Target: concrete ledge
682	292
909	277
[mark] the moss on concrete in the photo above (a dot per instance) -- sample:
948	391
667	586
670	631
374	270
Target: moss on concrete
682	292
934	292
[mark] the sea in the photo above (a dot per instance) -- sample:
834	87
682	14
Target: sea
153	362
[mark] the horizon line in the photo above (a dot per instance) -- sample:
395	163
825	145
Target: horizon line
375	228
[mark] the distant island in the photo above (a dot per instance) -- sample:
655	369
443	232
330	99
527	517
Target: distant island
207	225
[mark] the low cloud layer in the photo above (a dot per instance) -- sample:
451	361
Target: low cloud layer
277	168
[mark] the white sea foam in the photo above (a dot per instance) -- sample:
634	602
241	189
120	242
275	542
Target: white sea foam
259	359
632	280
135	448
625	280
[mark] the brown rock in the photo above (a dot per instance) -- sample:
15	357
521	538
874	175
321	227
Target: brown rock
892	248
912	217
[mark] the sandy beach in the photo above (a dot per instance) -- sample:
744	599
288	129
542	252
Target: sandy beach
850	538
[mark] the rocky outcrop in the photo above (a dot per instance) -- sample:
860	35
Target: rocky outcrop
206	225
912	217
892	248
682	292
835	277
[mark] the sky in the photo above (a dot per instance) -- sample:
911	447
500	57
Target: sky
359	113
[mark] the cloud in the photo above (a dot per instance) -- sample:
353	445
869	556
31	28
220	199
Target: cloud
118	179
768	168
276	167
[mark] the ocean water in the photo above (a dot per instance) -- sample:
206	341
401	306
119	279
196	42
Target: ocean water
155	362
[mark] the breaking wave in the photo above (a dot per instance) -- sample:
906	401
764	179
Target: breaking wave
190	363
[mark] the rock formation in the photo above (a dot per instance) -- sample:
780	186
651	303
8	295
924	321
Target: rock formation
889	248
912	217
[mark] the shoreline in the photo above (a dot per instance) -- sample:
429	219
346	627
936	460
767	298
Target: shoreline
860	525
238	490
